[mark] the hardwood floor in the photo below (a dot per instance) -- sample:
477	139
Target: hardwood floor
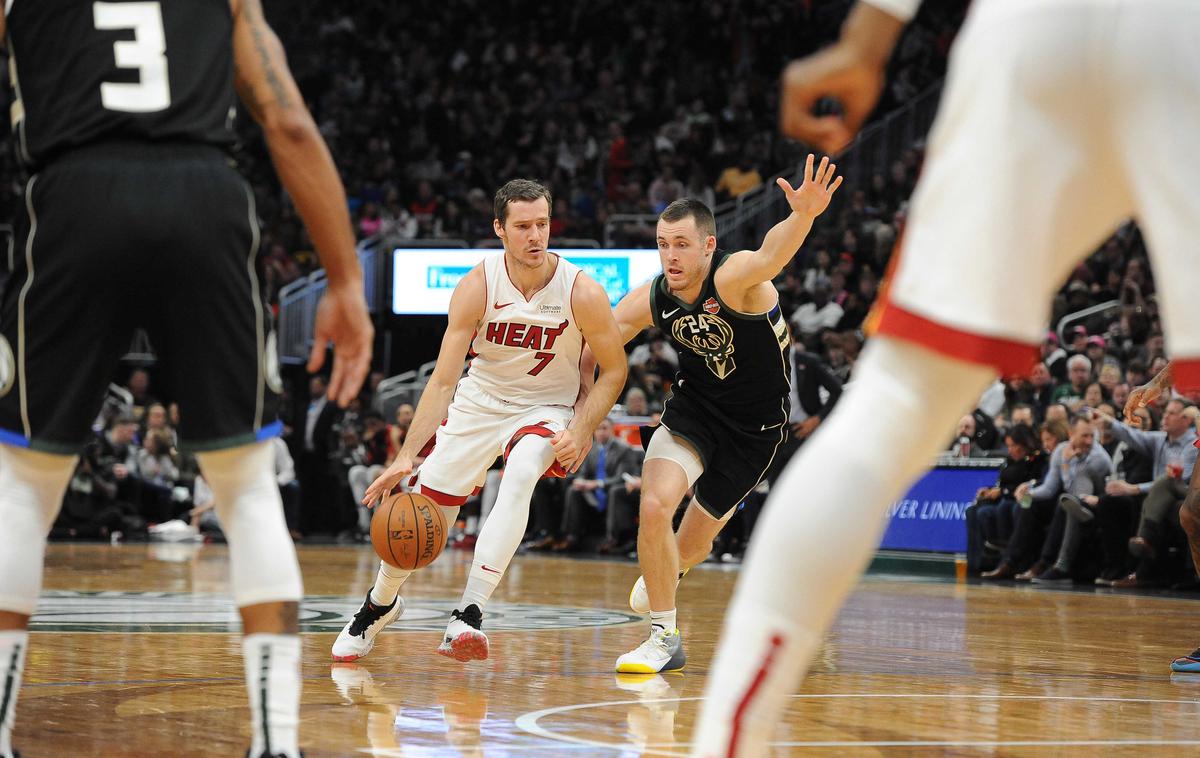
136	652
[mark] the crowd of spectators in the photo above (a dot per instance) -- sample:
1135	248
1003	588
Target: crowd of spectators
1098	499
621	108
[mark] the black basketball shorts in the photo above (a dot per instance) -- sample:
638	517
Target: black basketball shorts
735	456
114	237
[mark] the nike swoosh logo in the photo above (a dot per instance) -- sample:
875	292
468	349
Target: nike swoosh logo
669	314
772	426
489	569
498	306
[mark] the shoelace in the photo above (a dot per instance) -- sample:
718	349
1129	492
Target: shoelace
471	616
657	640
366	616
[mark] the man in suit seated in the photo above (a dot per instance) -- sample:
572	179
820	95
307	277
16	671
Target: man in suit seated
597	494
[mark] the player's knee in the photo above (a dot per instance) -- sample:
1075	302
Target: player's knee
31	489
655	509
263	566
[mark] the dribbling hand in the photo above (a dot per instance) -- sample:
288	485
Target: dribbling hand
387	481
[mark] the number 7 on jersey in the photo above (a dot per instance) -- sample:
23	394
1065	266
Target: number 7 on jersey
543	360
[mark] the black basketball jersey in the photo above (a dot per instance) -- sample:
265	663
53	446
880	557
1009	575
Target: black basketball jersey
85	72
734	364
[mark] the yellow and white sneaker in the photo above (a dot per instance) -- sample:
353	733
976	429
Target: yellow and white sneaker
639	601
662	651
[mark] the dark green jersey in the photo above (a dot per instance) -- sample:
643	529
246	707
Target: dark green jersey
732	364
84	72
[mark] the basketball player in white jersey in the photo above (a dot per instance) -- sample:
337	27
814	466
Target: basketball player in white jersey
1060	119
524	316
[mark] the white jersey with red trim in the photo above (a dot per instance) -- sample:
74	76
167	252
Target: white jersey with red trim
526	351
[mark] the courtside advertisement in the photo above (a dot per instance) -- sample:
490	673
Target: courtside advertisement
932	515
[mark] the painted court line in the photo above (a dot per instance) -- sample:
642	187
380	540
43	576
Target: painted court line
528	722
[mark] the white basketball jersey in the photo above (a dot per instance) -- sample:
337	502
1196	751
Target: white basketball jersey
526	352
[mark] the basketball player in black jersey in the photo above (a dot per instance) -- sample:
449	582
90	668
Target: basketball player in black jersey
729	408
134	216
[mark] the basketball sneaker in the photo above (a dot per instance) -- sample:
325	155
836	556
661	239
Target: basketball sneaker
358	637
1188	664
464	641
639	600
662	651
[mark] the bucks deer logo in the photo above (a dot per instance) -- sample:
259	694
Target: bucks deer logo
710	337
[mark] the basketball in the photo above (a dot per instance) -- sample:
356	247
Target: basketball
408	530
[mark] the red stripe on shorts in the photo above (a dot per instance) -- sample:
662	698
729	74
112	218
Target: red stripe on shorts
1011	358
442	498
556	471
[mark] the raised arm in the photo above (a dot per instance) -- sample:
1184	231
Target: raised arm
747	268
265	85
466	311
604	342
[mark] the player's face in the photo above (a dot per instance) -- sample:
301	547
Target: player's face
526	231
683	254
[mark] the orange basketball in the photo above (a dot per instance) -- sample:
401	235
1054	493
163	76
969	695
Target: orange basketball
408	530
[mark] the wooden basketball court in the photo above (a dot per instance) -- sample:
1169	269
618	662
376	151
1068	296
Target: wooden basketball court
137	653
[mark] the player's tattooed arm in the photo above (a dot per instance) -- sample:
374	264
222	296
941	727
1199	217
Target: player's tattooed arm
306	169
261	74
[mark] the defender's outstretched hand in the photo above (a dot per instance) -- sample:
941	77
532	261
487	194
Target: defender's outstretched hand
812	197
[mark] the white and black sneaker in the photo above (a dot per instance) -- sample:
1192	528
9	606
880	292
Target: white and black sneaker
358	636
463	640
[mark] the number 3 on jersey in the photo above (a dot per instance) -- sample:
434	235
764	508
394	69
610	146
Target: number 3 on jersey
146	52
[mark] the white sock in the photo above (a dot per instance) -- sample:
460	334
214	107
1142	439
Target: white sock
821	523
664	619
505	526
12	664
387	584
273	681
389	579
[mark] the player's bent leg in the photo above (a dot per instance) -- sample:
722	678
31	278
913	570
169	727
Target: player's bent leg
265	577
694	541
664	483
31	490
883	433
696	533
528	459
